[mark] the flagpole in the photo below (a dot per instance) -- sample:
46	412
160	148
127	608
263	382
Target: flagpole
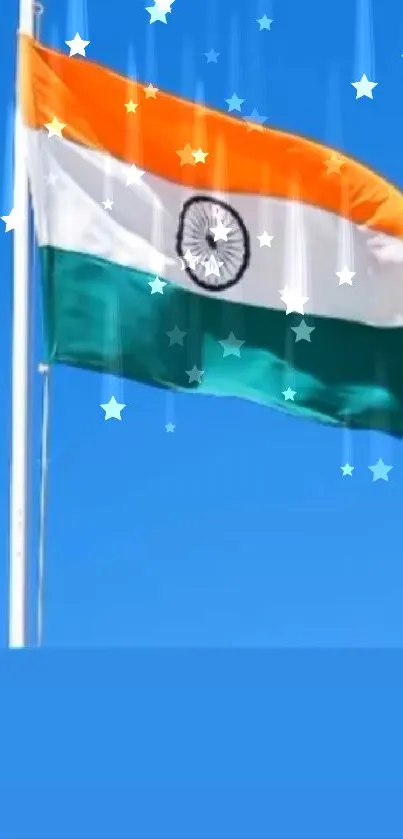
20	342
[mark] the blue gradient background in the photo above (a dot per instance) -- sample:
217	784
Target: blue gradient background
237	531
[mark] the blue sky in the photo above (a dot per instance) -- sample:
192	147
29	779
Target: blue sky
238	530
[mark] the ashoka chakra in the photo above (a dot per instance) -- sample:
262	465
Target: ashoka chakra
214	259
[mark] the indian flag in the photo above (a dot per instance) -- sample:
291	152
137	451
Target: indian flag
189	250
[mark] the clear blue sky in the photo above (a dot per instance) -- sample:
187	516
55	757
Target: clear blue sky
236	531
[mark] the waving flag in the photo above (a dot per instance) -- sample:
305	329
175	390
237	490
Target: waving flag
240	260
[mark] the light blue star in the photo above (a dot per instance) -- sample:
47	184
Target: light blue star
156	14
170	428
347	470
176	336
211	57
255	117
303	332
264	23
112	409
157	286
195	375
234	103
289	394
380	471
232	346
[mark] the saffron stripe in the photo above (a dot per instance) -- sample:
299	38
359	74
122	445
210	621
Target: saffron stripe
90	99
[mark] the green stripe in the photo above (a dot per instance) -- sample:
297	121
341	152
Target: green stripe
101	316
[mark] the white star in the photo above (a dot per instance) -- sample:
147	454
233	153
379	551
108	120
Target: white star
134	176
77	45
265	239
212	267
345	276
156	14
107	205
157	286
150	91
9	221
191	260
113	409
55	127
51	179
293	300
195	375
220	232
200	155
364	87
232	346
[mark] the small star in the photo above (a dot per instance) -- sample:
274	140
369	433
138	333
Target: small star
150	91
77	45
265	239
211	57
364	87
157	15
55	127
190	260
200	156
234	103
212	267
220	232
345	276
289	394
113	409
157	286
333	164
347	470
134	176
380	471
195	375
303	332
264	23
232	346
255	121
107	205
293	300
186	155
176	336
9	221
51	179
131	107
170	428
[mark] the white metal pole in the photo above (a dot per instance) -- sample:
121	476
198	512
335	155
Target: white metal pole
19	445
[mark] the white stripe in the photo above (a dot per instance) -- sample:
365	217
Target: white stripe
141	231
